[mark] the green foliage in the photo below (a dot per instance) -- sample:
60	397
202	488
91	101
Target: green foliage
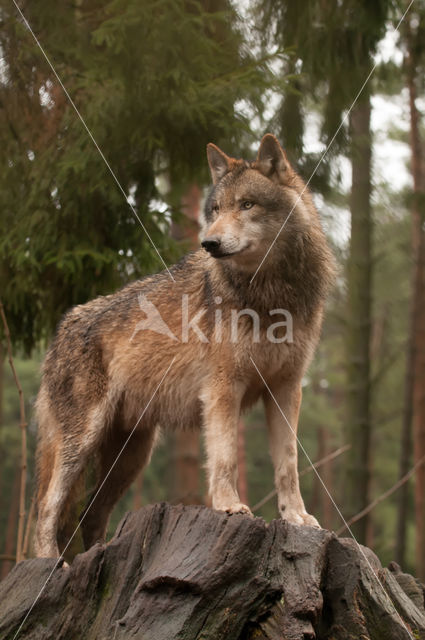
332	44
154	81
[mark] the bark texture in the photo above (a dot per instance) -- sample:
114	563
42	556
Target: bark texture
418	320
358	330
11	526
188	572
186	476
414	392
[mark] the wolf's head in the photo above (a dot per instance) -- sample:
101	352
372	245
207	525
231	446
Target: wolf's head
251	202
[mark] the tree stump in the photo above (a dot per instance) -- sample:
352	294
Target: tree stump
191	573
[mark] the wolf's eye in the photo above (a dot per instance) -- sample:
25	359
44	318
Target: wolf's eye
247	204
215	208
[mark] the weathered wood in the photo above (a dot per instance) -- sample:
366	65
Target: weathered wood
190	573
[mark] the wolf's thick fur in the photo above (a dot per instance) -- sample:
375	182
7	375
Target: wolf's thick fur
102	371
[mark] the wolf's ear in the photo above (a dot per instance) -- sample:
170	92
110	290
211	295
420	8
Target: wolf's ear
271	158
218	161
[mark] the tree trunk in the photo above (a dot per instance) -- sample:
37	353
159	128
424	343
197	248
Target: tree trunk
327	509
414	378
1	382
359	316
242	479
419	422
186	489
2	452
318	495
191	573
418	220
187	448
12	525
137	492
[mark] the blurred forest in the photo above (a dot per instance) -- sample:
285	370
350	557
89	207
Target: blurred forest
154	82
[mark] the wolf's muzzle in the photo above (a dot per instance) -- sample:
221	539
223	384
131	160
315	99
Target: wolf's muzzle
212	245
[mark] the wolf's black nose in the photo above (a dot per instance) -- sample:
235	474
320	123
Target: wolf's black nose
211	244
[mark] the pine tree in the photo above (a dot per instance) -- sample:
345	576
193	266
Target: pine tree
414	410
154	82
334	43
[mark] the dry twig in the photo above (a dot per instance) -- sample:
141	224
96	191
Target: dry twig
316	465
382	497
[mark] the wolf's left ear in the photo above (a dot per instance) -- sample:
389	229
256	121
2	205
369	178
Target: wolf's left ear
271	158
218	161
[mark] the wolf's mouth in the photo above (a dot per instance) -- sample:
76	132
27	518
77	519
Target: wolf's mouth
221	255
225	255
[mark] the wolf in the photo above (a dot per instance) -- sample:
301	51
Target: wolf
110	373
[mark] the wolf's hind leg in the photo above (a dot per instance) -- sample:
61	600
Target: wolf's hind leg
116	475
69	459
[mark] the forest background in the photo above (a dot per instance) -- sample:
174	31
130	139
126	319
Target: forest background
341	84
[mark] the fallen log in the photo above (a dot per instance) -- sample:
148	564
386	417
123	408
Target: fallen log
191	573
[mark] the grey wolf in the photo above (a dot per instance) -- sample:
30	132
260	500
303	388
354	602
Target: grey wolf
105	363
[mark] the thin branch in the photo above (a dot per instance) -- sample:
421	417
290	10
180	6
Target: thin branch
386	417
316	465
28	528
382	497
23	426
387	364
5	557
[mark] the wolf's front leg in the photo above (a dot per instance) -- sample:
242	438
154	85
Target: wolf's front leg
222	402
283	448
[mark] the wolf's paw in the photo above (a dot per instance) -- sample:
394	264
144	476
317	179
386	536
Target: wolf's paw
237	507
310	521
304	518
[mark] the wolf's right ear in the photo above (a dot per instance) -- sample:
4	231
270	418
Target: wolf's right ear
271	158
218	161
